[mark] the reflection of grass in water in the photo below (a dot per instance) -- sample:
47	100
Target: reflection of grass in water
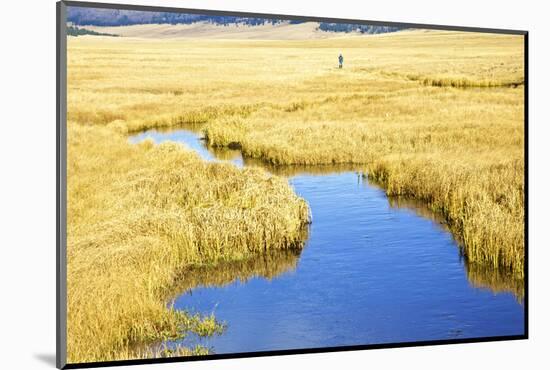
419	207
225	154
480	276
268	264
497	281
295	170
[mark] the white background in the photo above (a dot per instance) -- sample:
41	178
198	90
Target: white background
27	205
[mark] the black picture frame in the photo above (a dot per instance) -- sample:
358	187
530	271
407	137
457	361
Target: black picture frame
61	185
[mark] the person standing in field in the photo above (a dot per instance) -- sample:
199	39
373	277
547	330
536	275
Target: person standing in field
340	61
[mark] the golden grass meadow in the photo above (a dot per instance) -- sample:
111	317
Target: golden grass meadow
437	116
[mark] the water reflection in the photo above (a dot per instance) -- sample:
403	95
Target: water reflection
497	281
297	170
266	265
480	276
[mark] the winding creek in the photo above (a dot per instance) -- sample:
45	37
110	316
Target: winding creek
373	270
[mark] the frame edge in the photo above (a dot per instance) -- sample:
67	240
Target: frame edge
61	185
526	180
61	190
305	18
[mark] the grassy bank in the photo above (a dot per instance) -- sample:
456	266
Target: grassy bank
139	216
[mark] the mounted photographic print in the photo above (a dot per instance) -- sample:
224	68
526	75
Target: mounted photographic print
235	184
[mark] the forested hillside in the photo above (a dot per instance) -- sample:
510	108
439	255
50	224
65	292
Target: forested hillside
115	17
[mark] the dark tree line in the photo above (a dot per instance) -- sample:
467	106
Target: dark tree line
362	28
76	31
116	17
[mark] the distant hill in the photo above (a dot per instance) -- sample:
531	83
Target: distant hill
114	17
206	30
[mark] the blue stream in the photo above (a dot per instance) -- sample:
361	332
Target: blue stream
371	272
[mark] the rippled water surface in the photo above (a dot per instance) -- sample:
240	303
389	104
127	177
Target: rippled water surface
374	270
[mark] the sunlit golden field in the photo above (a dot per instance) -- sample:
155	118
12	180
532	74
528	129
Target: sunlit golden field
431	115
